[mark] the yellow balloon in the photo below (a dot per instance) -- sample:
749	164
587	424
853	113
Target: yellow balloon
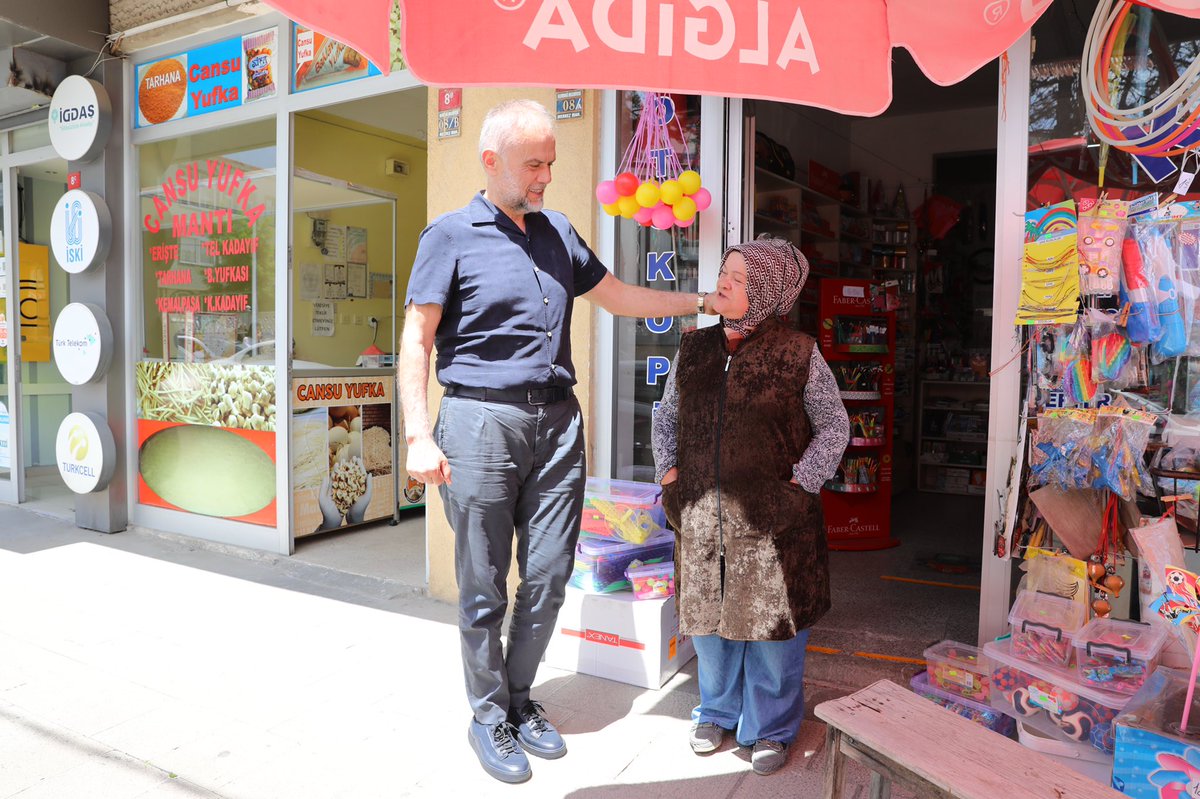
685	209
647	194
689	181
612	209
628	206
671	192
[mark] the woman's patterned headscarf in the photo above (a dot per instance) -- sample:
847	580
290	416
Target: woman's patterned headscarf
775	273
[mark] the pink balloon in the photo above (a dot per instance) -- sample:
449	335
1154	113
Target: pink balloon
644	216
663	217
606	192
680	223
702	199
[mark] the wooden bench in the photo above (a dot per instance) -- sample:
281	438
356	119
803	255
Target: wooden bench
905	739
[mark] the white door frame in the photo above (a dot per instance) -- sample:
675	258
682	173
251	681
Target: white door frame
1012	176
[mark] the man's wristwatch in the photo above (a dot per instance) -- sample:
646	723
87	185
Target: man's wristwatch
700	301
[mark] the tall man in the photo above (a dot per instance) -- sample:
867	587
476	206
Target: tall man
493	287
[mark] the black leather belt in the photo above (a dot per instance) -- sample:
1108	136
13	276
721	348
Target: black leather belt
530	396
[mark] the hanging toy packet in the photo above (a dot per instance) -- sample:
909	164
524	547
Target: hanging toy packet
1101	233
1137	287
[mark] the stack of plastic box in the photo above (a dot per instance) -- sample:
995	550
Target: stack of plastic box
624	525
605	628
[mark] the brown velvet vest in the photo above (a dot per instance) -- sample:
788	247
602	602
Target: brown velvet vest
742	425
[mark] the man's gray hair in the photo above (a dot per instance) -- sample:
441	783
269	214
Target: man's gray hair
506	123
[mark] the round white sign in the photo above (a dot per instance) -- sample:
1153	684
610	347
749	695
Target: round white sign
80	119
80	231
83	343
87	453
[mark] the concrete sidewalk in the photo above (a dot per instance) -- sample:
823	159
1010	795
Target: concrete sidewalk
140	665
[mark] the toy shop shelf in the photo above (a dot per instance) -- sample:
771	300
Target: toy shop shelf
955	382
767	219
949	465
867	442
978	491
860	396
861	349
852	488
817	234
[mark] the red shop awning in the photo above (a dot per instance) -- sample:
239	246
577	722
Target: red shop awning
833	54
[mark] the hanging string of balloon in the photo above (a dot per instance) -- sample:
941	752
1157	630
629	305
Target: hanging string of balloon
653	187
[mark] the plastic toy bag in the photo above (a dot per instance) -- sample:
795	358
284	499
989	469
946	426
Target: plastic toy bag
1137	288
1187	256
1111	350
1117	449
1175	323
1159	546
1101	234
1074	356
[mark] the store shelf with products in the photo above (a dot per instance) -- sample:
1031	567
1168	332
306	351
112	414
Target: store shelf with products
856	340
952	436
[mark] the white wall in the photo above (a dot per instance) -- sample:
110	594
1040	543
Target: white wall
901	149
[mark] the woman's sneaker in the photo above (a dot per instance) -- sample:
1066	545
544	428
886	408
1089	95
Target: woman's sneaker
768	756
706	737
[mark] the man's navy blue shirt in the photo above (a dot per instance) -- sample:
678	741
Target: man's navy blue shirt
506	296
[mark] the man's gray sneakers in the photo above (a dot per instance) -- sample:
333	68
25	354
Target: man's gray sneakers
706	737
535	734
497	750
768	756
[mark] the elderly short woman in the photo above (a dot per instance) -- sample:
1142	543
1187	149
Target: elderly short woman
750	426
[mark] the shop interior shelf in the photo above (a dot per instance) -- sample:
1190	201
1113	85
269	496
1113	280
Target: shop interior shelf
852	488
867	442
960	439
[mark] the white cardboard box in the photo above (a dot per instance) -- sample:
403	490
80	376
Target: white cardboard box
619	638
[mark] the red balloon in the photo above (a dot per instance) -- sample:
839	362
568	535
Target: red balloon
627	184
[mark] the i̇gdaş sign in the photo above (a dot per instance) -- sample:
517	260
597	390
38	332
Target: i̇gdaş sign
833	54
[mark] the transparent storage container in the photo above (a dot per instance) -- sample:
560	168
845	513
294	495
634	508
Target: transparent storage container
1051	699
958	669
622	509
1043	627
981	713
652	580
600	563
1116	655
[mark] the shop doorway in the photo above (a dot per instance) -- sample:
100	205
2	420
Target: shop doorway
905	202
358	206
34	395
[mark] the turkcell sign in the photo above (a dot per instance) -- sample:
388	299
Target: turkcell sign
86	452
80	231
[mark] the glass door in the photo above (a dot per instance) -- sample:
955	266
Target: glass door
8	288
43	289
705	132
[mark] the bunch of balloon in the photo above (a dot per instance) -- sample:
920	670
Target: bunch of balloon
652	187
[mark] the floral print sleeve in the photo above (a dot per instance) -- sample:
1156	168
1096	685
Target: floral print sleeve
830	426
664	429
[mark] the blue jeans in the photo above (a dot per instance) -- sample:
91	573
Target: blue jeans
753	687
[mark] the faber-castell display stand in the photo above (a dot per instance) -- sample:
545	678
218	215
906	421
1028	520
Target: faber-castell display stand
858	342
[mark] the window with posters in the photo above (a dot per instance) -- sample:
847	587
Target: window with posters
206	402
660	259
